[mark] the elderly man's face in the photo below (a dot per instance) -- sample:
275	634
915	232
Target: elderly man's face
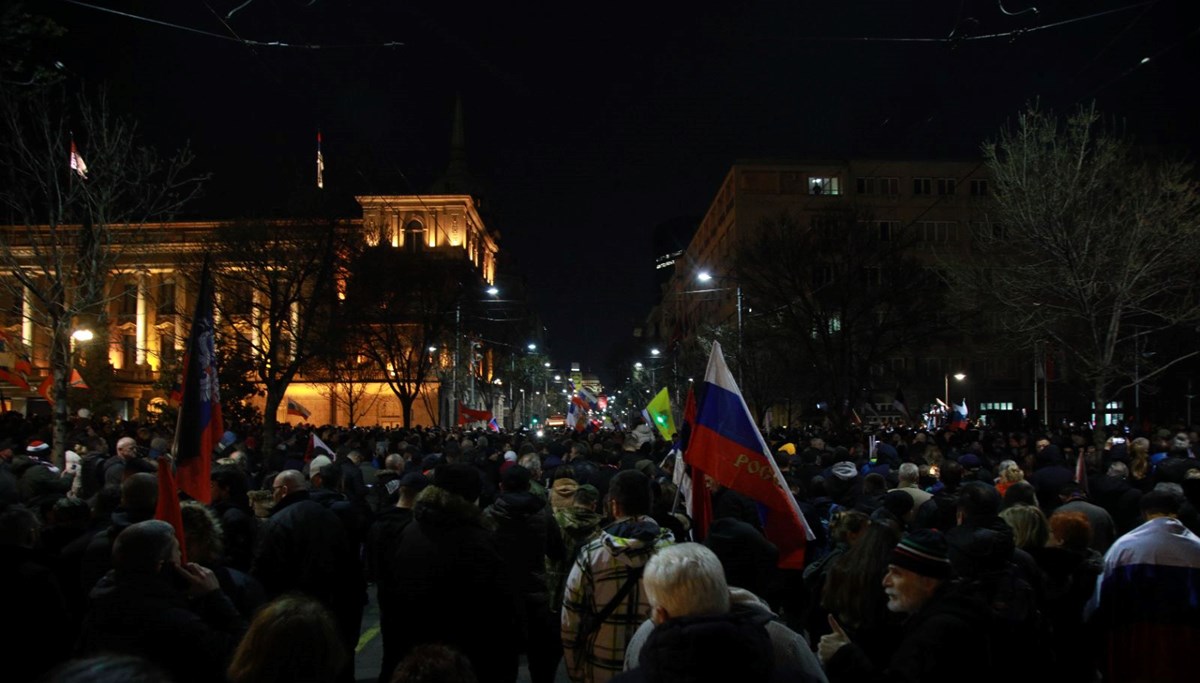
907	591
127	449
278	489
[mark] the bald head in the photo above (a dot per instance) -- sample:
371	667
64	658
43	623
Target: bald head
287	482
127	448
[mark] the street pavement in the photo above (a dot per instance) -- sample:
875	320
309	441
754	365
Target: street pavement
369	655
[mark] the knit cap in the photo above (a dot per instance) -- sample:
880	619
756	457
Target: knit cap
922	551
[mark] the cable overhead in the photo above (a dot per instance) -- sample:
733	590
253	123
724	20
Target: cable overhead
232	39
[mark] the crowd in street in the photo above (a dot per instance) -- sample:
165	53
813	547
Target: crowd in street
937	555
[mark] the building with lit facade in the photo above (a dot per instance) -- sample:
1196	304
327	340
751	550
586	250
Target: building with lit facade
152	297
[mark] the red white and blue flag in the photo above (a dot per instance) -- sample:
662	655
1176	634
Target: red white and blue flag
958	416
294	408
200	427
726	445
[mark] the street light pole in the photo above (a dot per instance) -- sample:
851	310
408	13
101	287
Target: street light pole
741	384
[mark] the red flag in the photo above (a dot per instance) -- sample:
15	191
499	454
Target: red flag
701	499
466	415
167	508
199	428
44	388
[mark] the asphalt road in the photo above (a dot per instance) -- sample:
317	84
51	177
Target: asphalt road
369	654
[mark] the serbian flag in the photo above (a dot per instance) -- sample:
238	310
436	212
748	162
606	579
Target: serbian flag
699	500
199	428
727	446
167	507
77	164
294	408
320	164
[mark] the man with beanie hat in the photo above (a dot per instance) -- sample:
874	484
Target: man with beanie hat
945	631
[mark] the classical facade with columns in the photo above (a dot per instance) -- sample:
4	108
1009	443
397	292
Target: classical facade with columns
150	298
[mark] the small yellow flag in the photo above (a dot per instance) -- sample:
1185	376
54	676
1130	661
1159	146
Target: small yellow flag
659	410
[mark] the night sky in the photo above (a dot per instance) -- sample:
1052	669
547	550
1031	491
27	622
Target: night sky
588	124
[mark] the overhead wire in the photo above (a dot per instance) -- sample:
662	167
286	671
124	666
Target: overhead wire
233	39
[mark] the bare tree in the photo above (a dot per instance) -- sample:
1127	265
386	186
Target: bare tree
841	292
69	235
404	305
1088	247
348	379
277	297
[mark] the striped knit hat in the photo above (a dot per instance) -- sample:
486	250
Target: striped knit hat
922	551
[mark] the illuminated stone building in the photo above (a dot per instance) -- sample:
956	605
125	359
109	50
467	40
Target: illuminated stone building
151	302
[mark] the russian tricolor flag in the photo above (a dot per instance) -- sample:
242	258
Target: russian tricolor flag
727	446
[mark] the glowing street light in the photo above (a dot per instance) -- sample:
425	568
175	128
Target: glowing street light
493	291
654	352
83	335
531	347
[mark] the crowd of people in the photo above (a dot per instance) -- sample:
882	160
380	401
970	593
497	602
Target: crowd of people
936	555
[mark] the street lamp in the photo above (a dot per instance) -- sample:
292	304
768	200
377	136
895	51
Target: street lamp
958	376
705	276
531	347
83	335
493	291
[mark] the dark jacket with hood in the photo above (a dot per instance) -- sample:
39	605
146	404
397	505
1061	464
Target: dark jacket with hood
147	615
527	536
303	547
451	579
728	647
949	638
1049	477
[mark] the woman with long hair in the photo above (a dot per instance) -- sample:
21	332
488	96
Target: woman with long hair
293	638
852	592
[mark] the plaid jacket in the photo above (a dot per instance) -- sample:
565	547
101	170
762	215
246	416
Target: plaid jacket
600	569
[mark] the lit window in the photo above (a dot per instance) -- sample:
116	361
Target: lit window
824	185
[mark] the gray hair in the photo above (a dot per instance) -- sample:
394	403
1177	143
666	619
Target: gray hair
909	472
686	579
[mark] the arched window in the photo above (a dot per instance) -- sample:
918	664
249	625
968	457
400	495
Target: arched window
414	235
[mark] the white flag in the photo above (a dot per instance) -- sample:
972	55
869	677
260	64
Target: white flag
77	164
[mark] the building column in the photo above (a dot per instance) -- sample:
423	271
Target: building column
27	320
295	328
142	293
255	322
180	307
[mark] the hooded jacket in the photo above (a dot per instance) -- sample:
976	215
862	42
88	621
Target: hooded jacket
788	650
527	537
602	567
576	526
450	579
943	641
